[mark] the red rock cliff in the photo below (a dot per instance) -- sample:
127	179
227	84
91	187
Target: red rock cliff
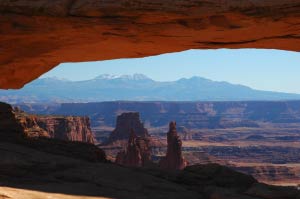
63	128
68	128
20	128
125	123
137	153
174	159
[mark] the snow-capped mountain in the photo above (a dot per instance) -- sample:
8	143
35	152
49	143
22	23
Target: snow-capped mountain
136	87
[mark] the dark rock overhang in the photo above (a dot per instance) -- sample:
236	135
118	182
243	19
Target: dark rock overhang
37	35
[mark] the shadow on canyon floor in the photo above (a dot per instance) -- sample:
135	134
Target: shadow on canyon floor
27	168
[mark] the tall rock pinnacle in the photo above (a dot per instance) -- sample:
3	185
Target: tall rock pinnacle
174	159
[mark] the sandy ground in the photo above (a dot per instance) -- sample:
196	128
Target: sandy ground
14	193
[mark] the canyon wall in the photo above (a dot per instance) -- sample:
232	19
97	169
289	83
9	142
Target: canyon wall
68	128
37	35
74	138
188	114
64	128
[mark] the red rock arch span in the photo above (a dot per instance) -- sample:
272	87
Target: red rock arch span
37	35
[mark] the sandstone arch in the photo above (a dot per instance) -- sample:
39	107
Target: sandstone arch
37	35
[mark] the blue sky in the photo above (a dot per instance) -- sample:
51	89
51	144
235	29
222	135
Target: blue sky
272	70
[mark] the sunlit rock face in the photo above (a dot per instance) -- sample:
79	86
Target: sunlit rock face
69	128
174	159
35	36
15	123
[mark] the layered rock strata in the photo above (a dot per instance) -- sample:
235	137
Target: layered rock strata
69	128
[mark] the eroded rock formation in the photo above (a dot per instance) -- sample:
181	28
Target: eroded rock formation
37	35
69	128
174	159
126	122
137	153
17	127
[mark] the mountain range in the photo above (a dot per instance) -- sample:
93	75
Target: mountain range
137	87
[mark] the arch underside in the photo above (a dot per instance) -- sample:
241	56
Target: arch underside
36	36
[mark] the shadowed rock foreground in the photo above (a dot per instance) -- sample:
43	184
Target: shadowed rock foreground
41	167
30	169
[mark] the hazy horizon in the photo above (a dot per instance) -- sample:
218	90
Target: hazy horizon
271	70
131	75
